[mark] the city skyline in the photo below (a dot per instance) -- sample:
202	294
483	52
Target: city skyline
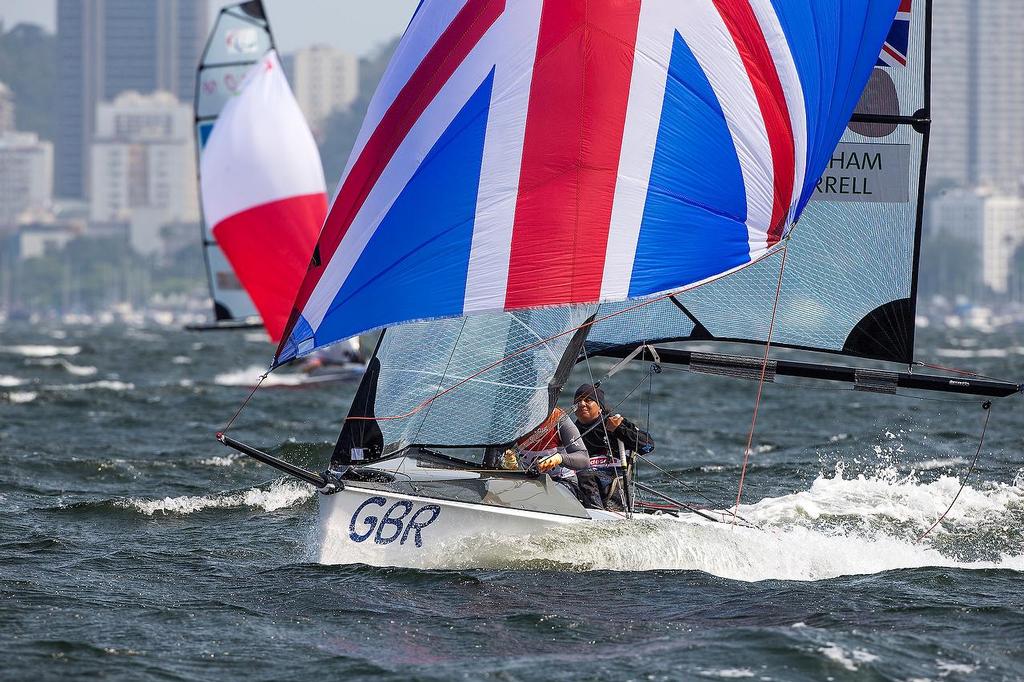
112	52
345	24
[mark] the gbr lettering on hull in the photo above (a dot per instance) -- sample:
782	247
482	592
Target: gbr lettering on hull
399	523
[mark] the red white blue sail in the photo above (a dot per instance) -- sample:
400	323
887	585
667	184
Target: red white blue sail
552	152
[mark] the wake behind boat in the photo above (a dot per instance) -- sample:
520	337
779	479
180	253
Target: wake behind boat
664	175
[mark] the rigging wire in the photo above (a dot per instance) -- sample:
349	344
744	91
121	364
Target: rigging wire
601	421
760	383
244	403
987	406
692	490
962	372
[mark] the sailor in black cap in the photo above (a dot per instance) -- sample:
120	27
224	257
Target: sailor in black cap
608	439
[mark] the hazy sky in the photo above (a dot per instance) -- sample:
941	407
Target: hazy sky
354	25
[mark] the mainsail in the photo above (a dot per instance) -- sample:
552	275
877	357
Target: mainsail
529	154
850	281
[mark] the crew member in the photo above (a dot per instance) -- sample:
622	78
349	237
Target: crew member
608	438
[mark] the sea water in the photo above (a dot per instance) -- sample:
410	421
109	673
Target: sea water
134	546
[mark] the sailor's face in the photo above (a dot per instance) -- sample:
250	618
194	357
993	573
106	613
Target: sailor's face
587	410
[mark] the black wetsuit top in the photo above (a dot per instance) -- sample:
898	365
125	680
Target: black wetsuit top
629	434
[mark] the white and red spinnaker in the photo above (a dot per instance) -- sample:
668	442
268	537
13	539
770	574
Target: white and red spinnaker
263	190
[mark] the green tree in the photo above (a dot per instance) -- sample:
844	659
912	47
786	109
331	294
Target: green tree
28	66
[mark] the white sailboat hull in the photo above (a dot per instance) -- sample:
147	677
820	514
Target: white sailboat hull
382	528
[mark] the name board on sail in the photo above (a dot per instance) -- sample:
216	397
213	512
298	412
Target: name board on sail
866	172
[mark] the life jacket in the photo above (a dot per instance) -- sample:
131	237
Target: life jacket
545	436
543	442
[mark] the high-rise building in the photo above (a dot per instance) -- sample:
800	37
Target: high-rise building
982	224
977	94
105	47
26	174
999	93
952	140
143	166
1003	232
6	109
324	80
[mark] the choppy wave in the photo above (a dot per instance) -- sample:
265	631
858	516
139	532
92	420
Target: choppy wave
840	526
102	384
251	375
21	396
941	463
850	659
222	460
7	381
275	496
75	370
729	673
41	350
971	352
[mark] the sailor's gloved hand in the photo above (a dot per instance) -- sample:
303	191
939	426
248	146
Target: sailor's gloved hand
509	460
548	463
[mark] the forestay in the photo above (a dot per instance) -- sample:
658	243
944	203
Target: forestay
850	278
529	154
240	36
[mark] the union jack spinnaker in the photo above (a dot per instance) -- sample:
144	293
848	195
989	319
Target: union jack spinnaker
546	153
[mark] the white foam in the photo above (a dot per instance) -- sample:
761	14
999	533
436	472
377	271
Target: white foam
22	396
729	673
250	376
950	667
971	353
848	659
76	370
41	350
929	464
840	526
7	381
104	384
181	360
222	460
888	496
277	496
